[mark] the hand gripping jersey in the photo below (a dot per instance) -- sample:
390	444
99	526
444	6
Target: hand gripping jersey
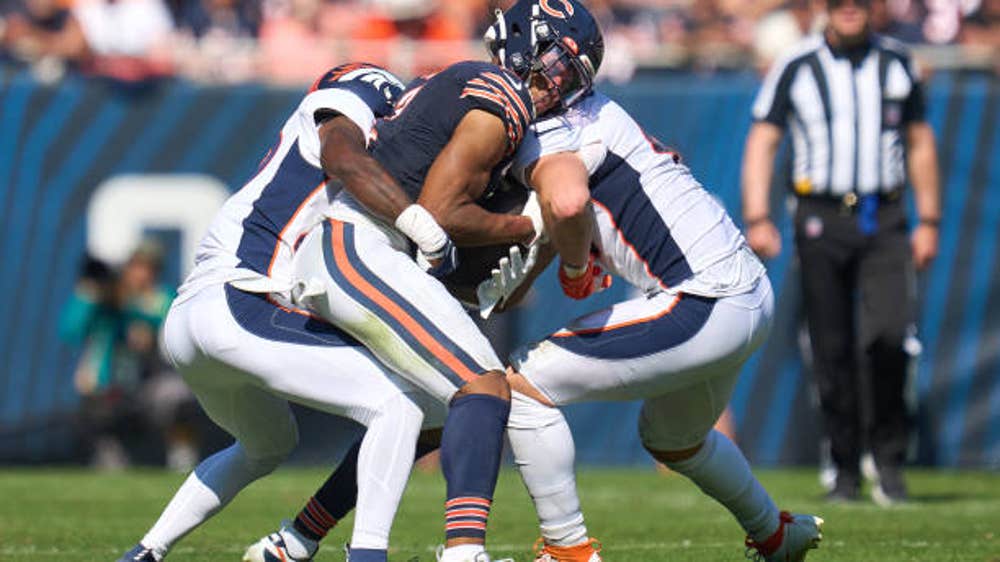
658	228
427	114
251	239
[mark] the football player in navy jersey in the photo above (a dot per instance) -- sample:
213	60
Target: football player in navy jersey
446	145
246	350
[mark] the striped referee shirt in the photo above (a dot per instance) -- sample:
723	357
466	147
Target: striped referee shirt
846	111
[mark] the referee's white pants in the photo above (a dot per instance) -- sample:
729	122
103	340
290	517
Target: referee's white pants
680	354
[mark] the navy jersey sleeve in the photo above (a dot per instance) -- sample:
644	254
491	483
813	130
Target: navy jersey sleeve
499	92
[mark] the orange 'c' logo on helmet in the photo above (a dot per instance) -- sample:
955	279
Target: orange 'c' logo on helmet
567	7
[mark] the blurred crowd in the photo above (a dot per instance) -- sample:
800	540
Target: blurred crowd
292	41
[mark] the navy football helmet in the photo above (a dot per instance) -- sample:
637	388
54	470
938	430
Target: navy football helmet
558	39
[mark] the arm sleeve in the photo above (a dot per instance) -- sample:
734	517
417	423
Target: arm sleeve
915	106
773	102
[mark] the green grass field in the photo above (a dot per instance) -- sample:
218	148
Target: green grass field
641	516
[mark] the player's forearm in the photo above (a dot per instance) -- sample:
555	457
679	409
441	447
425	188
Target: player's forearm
345	157
923	168
571	236
365	179
758	169
468	224
563	185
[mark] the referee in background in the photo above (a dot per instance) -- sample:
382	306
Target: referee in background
854	107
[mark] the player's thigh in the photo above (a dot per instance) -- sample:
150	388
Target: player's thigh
404	316
260	421
681	419
248	338
645	346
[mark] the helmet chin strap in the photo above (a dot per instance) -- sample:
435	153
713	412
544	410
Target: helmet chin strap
536	16
502	38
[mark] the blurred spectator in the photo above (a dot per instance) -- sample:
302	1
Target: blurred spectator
215	40
387	35
127	38
229	18
776	30
44	35
124	385
980	33
983	25
114	38
295	39
902	19
292	41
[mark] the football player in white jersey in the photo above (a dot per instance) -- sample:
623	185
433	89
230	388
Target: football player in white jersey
614	200
246	350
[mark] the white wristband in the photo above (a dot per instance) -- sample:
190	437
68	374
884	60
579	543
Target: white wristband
419	225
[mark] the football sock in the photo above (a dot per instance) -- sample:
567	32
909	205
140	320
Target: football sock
368	555
334	499
471	445
384	462
338	495
211	486
721	471
314	521
544	454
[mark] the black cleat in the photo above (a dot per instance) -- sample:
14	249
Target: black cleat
891	488
847	489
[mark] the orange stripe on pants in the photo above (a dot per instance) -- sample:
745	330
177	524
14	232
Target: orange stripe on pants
391	307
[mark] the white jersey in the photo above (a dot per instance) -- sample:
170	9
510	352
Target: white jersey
657	227
252	238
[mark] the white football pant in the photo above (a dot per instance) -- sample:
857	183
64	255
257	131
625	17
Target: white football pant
245	357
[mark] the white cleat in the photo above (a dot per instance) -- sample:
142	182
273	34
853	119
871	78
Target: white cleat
795	537
275	548
481	556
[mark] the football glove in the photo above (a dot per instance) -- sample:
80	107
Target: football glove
533	210
446	258
509	274
592	280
